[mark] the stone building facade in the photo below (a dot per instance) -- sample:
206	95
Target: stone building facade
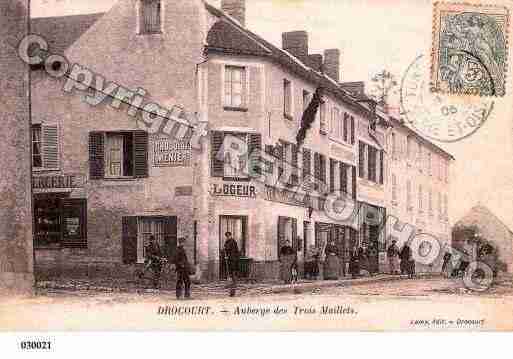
105	180
16	255
418	188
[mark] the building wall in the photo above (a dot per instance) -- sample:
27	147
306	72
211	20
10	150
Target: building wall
16	255
434	222
162	64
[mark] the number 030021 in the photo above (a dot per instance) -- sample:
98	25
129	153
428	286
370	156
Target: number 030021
35	345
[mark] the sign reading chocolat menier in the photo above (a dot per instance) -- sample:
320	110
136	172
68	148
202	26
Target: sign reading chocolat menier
57	181
167	153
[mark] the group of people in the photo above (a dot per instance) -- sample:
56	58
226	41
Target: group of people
401	262
154	259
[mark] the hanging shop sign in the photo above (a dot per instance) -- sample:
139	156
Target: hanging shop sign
234	190
169	153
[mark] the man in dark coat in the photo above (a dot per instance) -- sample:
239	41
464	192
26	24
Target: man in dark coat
393	257
153	260
406	260
232	254
182	270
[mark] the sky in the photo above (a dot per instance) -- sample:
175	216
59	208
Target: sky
374	35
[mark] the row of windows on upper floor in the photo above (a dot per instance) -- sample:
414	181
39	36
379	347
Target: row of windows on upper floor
124	154
418	156
339	125
442	199
371	165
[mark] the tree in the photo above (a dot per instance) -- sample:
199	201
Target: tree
384	84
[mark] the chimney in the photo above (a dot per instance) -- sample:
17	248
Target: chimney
332	63
296	42
315	61
236	9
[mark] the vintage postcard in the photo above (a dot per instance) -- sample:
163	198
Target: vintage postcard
267	165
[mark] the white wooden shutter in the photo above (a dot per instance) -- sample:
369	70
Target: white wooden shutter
50	137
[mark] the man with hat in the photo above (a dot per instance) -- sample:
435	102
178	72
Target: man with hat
393	257
182	270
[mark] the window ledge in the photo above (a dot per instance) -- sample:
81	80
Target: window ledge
236	109
48	247
42	169
236	179
341	142
150	33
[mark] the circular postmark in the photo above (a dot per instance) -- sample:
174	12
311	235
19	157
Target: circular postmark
441	117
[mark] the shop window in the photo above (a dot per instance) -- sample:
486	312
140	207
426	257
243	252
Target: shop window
150	16
59	221
235	87
237	226
45	147
118	154
136	232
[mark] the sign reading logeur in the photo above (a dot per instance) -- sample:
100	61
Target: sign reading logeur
236	190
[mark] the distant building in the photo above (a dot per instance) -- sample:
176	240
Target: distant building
492	229
418	186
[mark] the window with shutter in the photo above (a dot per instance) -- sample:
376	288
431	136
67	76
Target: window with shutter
372	162
235	87
295	164
295	243
37	153
255	151
96	155
50	147
346	134
170	237
381	167
322	164
332	175
317	170
352	130
129	239
353	179
217	165
287	99
343	177
306	163
361	160
150	16
140	154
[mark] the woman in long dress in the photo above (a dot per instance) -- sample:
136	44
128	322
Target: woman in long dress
331	263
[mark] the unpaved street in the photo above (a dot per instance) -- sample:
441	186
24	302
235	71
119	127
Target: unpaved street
428	304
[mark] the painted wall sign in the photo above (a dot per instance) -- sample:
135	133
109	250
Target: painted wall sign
274	194
48	183
183	191
167	153
235	190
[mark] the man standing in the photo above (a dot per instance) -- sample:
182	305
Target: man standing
393	257
153	260
182	270
231	253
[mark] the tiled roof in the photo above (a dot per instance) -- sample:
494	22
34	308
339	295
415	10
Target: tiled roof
228	36
62	31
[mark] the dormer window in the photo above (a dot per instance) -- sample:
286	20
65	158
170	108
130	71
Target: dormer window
150	15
